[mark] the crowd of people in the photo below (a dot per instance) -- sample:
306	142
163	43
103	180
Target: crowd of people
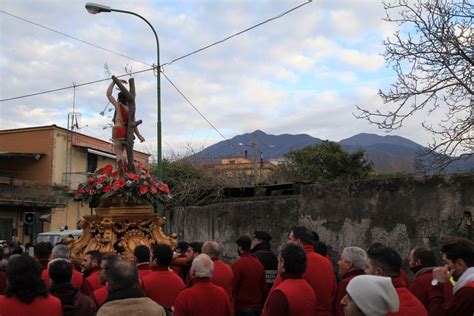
193	280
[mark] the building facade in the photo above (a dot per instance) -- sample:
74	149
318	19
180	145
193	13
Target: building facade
40	167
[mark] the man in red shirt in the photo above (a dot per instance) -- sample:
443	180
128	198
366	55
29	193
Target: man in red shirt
293	296
42	253
90	271
421	262
385	261
319	273
222	275
458	254
352	262
142	259
63	252
26	293
250	286
179	263
163	285
194	250
100	295
203	298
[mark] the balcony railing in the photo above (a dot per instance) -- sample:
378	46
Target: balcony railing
32	193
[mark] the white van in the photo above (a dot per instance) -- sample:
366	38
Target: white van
57	236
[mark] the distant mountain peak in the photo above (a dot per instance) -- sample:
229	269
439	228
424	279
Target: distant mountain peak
389	153
366	139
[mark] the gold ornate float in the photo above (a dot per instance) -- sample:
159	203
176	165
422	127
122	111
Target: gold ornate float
123	216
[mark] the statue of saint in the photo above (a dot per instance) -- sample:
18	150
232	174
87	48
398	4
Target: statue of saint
125	126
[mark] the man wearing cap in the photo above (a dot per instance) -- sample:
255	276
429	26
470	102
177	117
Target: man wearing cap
262	250
370	295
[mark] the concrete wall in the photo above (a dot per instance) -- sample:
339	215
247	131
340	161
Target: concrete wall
401	213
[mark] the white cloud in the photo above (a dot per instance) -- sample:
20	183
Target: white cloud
302	73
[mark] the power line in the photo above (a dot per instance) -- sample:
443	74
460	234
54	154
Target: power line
73	86
197	110
153	66
238	33
73	37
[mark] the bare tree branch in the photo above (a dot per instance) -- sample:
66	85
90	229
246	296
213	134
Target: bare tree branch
432	55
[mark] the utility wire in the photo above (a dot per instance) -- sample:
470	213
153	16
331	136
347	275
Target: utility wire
197	110
153	66
73	86
75	38
238	33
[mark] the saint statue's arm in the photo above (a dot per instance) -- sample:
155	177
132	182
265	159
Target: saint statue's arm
122	88
109	94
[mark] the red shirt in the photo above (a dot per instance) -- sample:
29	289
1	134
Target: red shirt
461	304
223	276
321	277
163	286
409	304
76	280
3	282
202	299
293	297
421	286
341	290
250	285
100	295
92	282
144	269
41	306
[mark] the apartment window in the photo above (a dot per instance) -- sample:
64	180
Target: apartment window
91	162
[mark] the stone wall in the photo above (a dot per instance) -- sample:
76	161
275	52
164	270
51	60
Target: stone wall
399	212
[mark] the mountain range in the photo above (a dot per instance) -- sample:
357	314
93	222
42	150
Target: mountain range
387	153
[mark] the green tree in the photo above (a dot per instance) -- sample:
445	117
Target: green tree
327	162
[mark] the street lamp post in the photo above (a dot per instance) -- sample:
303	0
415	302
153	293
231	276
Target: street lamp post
94	8
255	169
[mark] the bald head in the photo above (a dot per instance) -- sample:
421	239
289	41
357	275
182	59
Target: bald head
202	267
122	274
212	249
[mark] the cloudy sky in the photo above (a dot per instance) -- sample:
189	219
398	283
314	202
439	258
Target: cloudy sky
302	73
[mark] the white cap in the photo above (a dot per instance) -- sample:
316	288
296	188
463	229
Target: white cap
374	295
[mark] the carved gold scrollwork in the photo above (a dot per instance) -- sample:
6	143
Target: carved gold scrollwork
119	234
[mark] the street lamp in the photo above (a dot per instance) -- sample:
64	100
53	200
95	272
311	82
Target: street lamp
94	8
254	146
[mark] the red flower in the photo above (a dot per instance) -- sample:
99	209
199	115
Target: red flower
163	188
105	170
107	188
91	180
153	190
114	174
101	179
143	189
118	184
132	176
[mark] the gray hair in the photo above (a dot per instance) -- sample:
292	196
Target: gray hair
212	249
202	266
61	251
356	255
